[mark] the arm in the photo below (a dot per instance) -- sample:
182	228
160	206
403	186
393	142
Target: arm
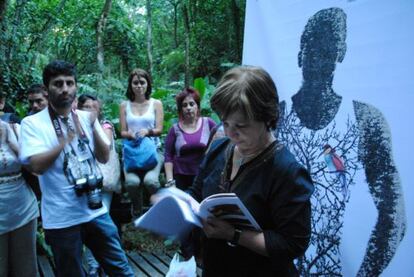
7	136
39	163
286	232
35	153
211	123
122	121
159	121
375	153
108	129
159	118
12	137
220	229
169	154
168	167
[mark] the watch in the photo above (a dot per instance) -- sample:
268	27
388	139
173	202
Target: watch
236	237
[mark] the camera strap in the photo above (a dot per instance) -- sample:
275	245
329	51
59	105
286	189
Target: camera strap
84	141
83	144
58	128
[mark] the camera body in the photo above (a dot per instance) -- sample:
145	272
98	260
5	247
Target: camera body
91	185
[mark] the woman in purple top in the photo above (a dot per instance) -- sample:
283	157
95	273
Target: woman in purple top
187	140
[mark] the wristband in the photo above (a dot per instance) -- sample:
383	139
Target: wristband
236	237
150	132
170	182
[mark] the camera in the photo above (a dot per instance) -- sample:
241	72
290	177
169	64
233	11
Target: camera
91	185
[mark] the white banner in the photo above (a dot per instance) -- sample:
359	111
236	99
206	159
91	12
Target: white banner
344	73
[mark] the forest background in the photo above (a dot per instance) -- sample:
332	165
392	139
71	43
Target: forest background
180	43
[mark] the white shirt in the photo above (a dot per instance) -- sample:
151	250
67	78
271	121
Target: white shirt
60	206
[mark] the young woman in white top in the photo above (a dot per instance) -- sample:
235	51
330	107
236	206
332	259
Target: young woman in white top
141	116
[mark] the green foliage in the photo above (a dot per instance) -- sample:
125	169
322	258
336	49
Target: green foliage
42	247
200	85
35	32
21	109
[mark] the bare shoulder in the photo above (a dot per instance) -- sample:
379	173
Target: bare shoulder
157	103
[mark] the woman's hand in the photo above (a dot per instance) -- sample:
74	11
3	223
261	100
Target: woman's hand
217	228
142	133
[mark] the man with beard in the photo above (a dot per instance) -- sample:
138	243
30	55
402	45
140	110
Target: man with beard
62	146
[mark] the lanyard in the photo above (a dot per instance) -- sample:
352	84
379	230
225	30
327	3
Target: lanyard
58	127
83	141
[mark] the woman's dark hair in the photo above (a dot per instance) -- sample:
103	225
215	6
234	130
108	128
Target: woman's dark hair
83	98
139	73
249	90
182	95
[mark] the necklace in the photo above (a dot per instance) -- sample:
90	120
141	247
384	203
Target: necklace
244	158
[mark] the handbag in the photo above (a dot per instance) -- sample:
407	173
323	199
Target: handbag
139	154
111	172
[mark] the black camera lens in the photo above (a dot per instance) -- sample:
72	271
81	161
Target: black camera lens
81	186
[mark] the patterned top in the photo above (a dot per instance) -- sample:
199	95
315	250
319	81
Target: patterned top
18	204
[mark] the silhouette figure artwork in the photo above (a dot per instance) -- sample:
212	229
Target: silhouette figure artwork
319	117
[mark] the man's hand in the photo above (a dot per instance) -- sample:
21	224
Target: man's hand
93	115
69	137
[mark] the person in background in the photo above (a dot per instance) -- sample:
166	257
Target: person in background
141	116
37	98
186	141
6	114
263	173
18	211
110	170
62	146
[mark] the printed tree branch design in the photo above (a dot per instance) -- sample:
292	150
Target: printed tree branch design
328	202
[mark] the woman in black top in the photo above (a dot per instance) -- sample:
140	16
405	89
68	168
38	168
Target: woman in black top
265	176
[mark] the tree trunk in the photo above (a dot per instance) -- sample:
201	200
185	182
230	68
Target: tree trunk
149	37
100	30
20	4
4	69
175	6
3	9
187	46
237	29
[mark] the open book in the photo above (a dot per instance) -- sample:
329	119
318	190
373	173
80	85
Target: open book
177	213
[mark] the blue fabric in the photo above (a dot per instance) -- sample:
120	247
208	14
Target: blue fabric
139	154
100	235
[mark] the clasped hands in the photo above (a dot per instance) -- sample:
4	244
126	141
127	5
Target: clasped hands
139	134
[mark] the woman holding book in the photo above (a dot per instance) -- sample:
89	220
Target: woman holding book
187	140
273	186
